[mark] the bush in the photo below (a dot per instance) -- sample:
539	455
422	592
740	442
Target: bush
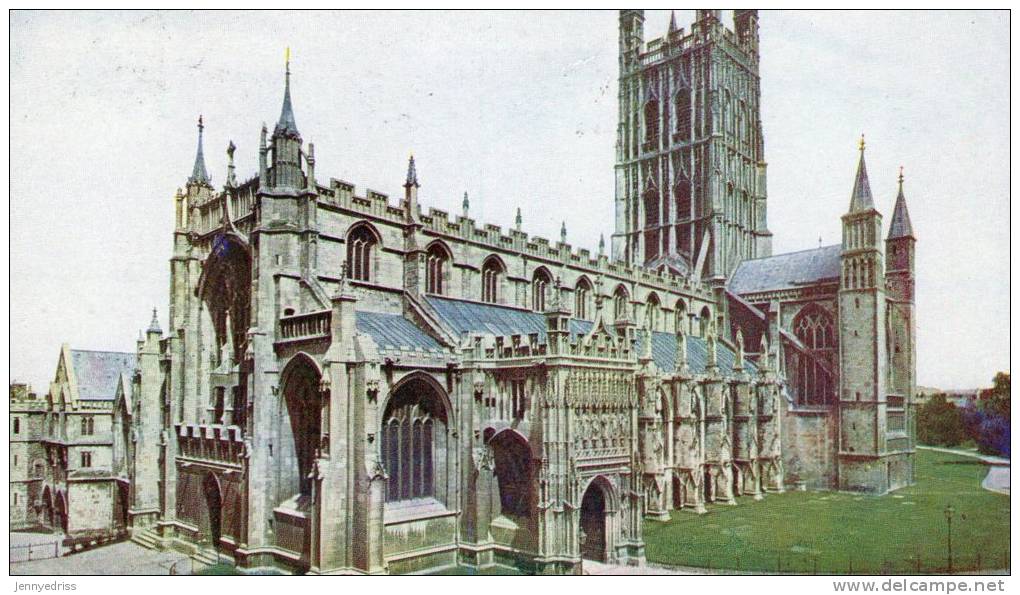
940	423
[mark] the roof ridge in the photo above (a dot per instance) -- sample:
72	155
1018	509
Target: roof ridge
794	252
102	351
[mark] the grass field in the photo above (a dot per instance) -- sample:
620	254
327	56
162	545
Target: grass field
829	532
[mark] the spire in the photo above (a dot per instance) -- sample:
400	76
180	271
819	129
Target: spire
860	198
154	325
198	173
412	173
465	205
287	125
900	226
672	21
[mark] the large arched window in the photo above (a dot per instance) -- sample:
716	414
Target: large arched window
361	244
704	320
582	299
683	114
621	303
414	441
651	200
492	278
652	121
540	283
814	327
437	258
680	322
653	312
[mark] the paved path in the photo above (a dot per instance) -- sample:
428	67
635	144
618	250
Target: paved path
997	479
125	557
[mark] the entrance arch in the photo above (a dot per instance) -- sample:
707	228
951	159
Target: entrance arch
301	424
214	505
60	515
514	473
596	505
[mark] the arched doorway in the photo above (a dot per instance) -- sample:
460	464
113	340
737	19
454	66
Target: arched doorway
593	523
513	474
60	514
302	433
214	504
47	511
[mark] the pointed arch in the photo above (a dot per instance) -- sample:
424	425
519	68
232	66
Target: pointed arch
493	271
541	281
363	240
621	303
414	425
680	317
437	262
304	423
583	291
815	327
653	312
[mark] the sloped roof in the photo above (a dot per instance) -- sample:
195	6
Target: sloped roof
472	317
664	353
97	372
786	271
393	331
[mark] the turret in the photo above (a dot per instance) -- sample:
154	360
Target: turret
199	175
286	144
899	249
632	36
862	342
745	23
411	191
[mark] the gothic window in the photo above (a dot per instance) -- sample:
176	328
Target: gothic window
582	299
653	312
492	273
436	259
814	327
704	320
518	400
683	114
361	244
652	121
540	283
87	426
219	405
651	198
620	303
86	459
17	425
413	441
681	317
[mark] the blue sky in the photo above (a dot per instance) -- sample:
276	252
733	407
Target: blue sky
519	110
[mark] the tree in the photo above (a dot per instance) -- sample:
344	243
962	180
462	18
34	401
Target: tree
988	422
940	423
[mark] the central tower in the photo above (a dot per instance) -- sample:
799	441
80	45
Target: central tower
690	169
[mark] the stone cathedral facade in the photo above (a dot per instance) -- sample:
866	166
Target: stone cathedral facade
354	384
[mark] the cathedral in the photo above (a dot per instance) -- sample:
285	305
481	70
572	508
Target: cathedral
354	384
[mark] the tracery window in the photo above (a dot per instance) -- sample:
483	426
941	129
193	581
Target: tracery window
652	121
815	329
414	430
361	245
620	303
492	271
436	260
582	299
539	290
88	425
653	313
683	114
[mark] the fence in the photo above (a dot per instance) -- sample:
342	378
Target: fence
35	551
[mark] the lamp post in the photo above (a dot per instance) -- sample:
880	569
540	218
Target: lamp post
949	512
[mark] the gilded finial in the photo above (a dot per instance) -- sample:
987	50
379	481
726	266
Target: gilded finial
200	125
901	175
286	59
860	145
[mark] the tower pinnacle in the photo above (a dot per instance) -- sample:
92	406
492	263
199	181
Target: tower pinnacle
860	198
199	175
287	125
412	173
900	227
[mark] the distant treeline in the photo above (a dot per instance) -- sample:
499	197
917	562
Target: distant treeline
983	422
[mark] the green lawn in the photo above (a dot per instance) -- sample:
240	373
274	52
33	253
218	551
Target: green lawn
827	532
468	571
